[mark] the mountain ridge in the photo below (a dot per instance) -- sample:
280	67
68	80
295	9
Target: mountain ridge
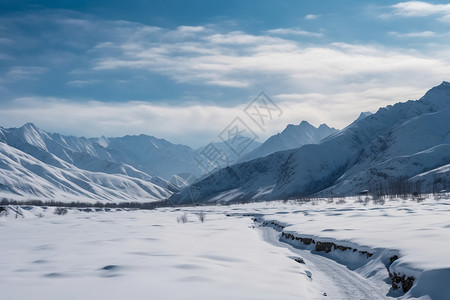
293	136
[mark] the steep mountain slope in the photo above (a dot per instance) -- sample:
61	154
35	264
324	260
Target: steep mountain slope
419	145
154	156
23	176
436	180
401	140
293	136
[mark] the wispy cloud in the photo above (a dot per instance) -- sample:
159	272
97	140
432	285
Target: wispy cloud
294	31
445	18
239	59
24	72
421	9
311	17
424	34
313	80
182	122
4	56
82	83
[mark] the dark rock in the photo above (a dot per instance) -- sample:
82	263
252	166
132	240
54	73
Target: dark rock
299	260
324	246
393	258
400	280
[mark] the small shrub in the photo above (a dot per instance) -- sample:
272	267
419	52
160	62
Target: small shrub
341	201
379	201
40	215
202	216
61	211
3	211
183	218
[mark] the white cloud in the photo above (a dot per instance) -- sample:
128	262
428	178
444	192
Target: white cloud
421	9
4	56
6	41
321	83
311	17
24	72
175	123
294	31
445	18
191	28
179	124
238	59
81	83
424	34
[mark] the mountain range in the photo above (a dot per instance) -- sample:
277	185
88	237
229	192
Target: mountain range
35	164
294	136
409	140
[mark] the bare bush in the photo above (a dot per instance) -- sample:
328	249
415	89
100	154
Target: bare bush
378	201
202	216
40	215
3	211
183	218
60	211
341	201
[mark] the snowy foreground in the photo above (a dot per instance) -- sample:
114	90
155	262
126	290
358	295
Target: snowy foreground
254	251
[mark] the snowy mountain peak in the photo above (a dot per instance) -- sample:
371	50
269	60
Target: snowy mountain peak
438	96
445	84
293	136
32	135
30	125
305	124
364	115
102	141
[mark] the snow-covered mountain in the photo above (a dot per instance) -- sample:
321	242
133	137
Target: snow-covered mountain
58	167
24	177
157	167
404	140
142	156
293	136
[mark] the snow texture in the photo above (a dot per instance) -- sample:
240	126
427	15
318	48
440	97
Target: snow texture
149	255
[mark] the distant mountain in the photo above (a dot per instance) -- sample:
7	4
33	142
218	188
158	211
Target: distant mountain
141	168
234	151
151	155
24	177
404	140
105	169
294	136
142	156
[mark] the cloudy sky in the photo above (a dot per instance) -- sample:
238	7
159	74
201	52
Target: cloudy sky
183	70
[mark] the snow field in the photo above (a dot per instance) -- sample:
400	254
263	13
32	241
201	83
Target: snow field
143	255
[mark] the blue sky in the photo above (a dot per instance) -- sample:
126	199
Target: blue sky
183	70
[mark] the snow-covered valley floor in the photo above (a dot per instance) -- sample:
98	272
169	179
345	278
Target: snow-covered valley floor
149	255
